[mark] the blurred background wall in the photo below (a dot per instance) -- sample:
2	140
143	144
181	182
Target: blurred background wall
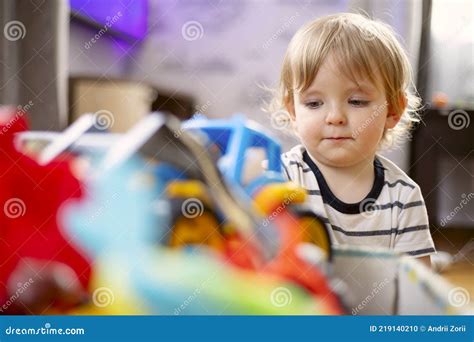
59	59
222	52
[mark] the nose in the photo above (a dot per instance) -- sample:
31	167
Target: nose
336	116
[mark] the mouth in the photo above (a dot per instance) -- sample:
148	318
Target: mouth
339	138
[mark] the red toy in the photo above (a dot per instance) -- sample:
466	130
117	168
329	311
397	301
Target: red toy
33	249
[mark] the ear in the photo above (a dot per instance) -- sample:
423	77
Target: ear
290	106
395	114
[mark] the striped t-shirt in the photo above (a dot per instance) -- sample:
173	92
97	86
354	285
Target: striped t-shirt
393	215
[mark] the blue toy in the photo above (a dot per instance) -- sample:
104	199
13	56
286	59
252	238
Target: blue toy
234	137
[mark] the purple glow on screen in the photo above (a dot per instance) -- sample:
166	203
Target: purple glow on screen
124	17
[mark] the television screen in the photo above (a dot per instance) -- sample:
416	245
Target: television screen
126	18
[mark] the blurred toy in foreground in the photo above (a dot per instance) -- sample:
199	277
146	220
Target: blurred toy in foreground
138	221
283	217
235	140
40	268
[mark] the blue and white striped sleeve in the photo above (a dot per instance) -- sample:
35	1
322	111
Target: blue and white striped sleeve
284	166
413	234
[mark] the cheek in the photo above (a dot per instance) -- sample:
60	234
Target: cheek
307	126
370	128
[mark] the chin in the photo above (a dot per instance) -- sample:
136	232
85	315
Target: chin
344	159
340	162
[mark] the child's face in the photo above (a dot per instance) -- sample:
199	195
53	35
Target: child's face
340	124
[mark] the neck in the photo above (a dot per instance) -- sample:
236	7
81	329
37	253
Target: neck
350	184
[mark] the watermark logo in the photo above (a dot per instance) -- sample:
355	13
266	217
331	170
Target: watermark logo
465	200
274	214
14	208
368	208
14	30
21	288
281	30
192	30
103	119
458	297
110	21
377	110
368	32
196	293
21	110
177	133
281	297
376	288
280	120
203	108
102	297
192	208
458	119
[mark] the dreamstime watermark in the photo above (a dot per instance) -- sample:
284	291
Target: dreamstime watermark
458	297
110	22
368	208
192	297
280	120
192	208
102	297
20	112
179	132
378	109
203	108
465	200
14	30
103	119
286	201
377	287
459	119
46	330
14	208
22	287
280	30
368	31
99	211
464	251
461	255
192	30
280	297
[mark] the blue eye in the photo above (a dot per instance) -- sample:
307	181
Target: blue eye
313	104
359	103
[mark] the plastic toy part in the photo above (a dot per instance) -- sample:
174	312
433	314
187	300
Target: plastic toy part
233	138
268	192
35	252
149	283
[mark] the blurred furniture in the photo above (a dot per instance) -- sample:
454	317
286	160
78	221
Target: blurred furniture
442	163
121	102
182	106
33	60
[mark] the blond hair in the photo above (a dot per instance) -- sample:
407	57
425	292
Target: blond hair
362	47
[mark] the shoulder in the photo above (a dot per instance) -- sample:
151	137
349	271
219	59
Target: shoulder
294	165
293	156
395	178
